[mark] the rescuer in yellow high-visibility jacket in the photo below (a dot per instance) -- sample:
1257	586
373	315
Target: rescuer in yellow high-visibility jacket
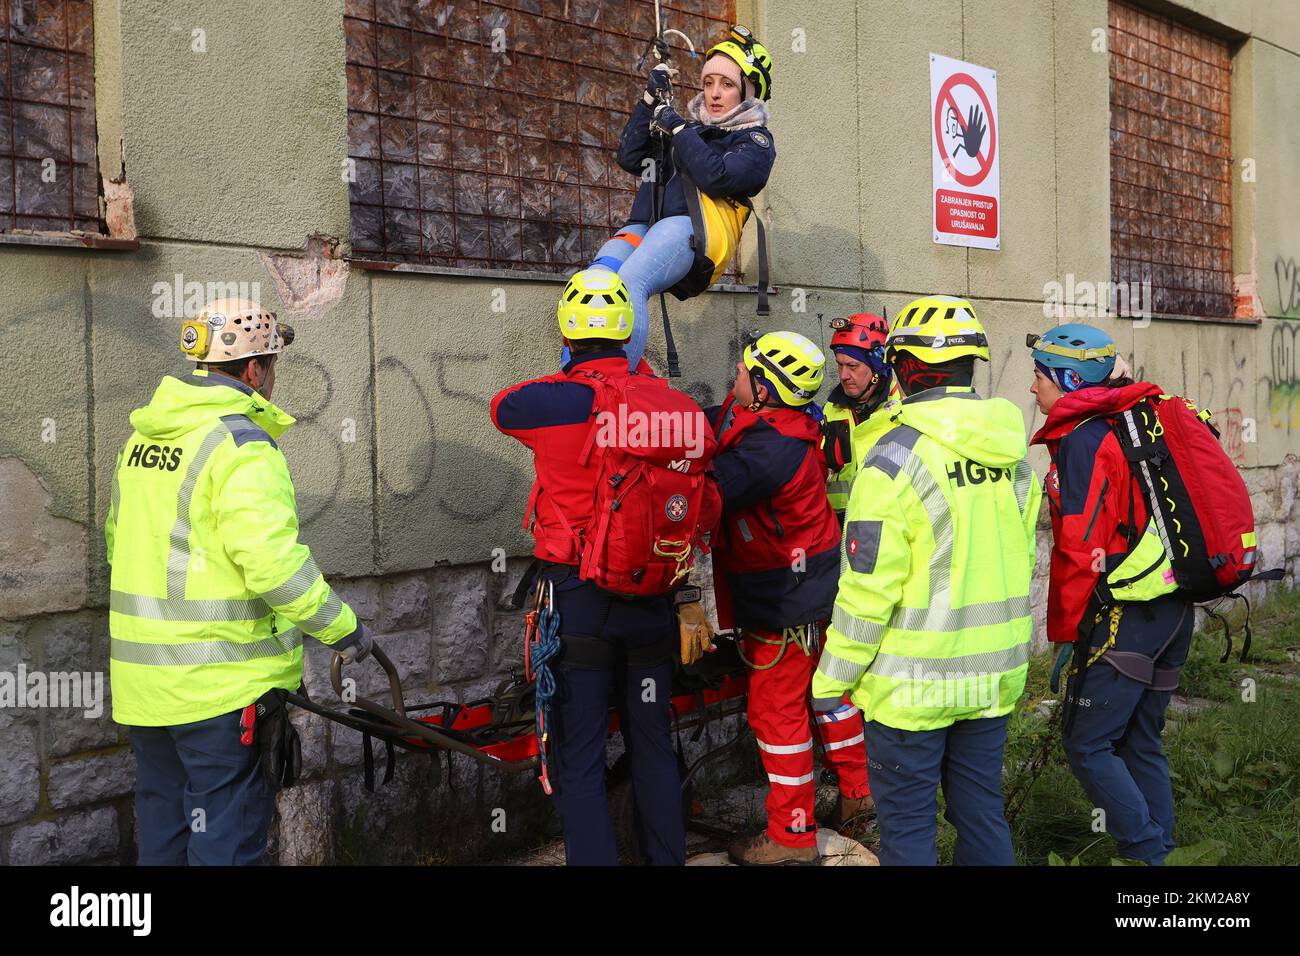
931	629
211	594
855	413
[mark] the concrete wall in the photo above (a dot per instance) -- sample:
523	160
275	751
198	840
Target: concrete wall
235	155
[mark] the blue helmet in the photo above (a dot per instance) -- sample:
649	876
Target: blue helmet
1073	356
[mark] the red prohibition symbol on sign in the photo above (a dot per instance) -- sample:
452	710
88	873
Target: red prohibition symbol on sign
984	157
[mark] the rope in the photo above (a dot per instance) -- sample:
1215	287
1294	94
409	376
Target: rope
679	551
1116	612
740	649
544	649
806	636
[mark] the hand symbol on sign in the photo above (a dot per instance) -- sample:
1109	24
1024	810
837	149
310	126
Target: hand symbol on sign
972	137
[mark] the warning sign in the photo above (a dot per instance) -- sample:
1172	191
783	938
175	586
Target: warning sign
964	152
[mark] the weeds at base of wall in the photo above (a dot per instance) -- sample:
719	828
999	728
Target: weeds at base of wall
1234	764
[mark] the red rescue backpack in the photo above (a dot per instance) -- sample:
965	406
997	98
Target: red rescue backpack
650	488
1196	497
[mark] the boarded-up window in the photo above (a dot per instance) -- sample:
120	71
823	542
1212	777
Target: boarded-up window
49	171
483	135
1170	162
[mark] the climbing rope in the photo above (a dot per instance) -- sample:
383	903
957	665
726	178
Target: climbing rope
1116	612
539	651
807	636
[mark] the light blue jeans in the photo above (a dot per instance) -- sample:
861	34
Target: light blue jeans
656	265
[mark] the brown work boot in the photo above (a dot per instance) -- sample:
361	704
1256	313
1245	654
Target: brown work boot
762	850
851	816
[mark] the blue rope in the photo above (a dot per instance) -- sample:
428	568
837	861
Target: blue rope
547	646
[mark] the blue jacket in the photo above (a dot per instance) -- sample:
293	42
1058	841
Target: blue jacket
722	162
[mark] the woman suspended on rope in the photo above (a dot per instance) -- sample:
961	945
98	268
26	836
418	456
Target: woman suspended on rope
721	141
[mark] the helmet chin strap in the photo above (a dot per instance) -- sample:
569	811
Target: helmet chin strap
870	389
757	403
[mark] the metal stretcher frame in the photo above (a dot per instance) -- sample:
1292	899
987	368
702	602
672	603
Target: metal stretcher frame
492	731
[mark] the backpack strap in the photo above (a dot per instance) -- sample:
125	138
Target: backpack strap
1138	454
763	308
531	512
530	509
596	382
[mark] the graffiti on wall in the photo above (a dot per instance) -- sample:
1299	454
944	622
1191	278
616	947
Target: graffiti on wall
473	489
417	402
1280	388
1288	286
1223	392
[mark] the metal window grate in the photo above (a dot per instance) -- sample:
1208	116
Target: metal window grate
1170	162
49	170
470	157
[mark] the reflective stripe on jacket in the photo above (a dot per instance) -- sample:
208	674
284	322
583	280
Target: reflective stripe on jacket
211	590
862	435
932	622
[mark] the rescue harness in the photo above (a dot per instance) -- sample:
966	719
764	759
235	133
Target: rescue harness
716	224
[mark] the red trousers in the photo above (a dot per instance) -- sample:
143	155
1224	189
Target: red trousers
780	717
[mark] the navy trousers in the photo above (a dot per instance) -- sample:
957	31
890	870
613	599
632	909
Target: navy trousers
908	767
1112	738
590	671
200	795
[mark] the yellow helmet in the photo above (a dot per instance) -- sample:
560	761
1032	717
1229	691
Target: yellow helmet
595	305
231	329
752	58
788	362
937	329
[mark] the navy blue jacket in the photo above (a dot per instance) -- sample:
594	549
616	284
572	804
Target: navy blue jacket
722	162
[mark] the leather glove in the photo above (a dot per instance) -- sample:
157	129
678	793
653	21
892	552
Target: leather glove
359	649
837	443
659	84
693	625
667	120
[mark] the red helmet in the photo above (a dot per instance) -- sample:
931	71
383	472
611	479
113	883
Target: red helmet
862	331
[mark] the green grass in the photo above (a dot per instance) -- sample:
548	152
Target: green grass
1235	765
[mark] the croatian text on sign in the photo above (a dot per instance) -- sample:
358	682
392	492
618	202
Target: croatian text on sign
964	153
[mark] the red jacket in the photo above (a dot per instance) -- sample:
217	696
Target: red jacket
553	415
1093	497
778	550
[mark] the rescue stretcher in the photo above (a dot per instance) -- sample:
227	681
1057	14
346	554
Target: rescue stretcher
500	730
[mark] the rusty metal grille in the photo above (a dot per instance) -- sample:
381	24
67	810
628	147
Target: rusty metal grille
1170	162
49	170
473	157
